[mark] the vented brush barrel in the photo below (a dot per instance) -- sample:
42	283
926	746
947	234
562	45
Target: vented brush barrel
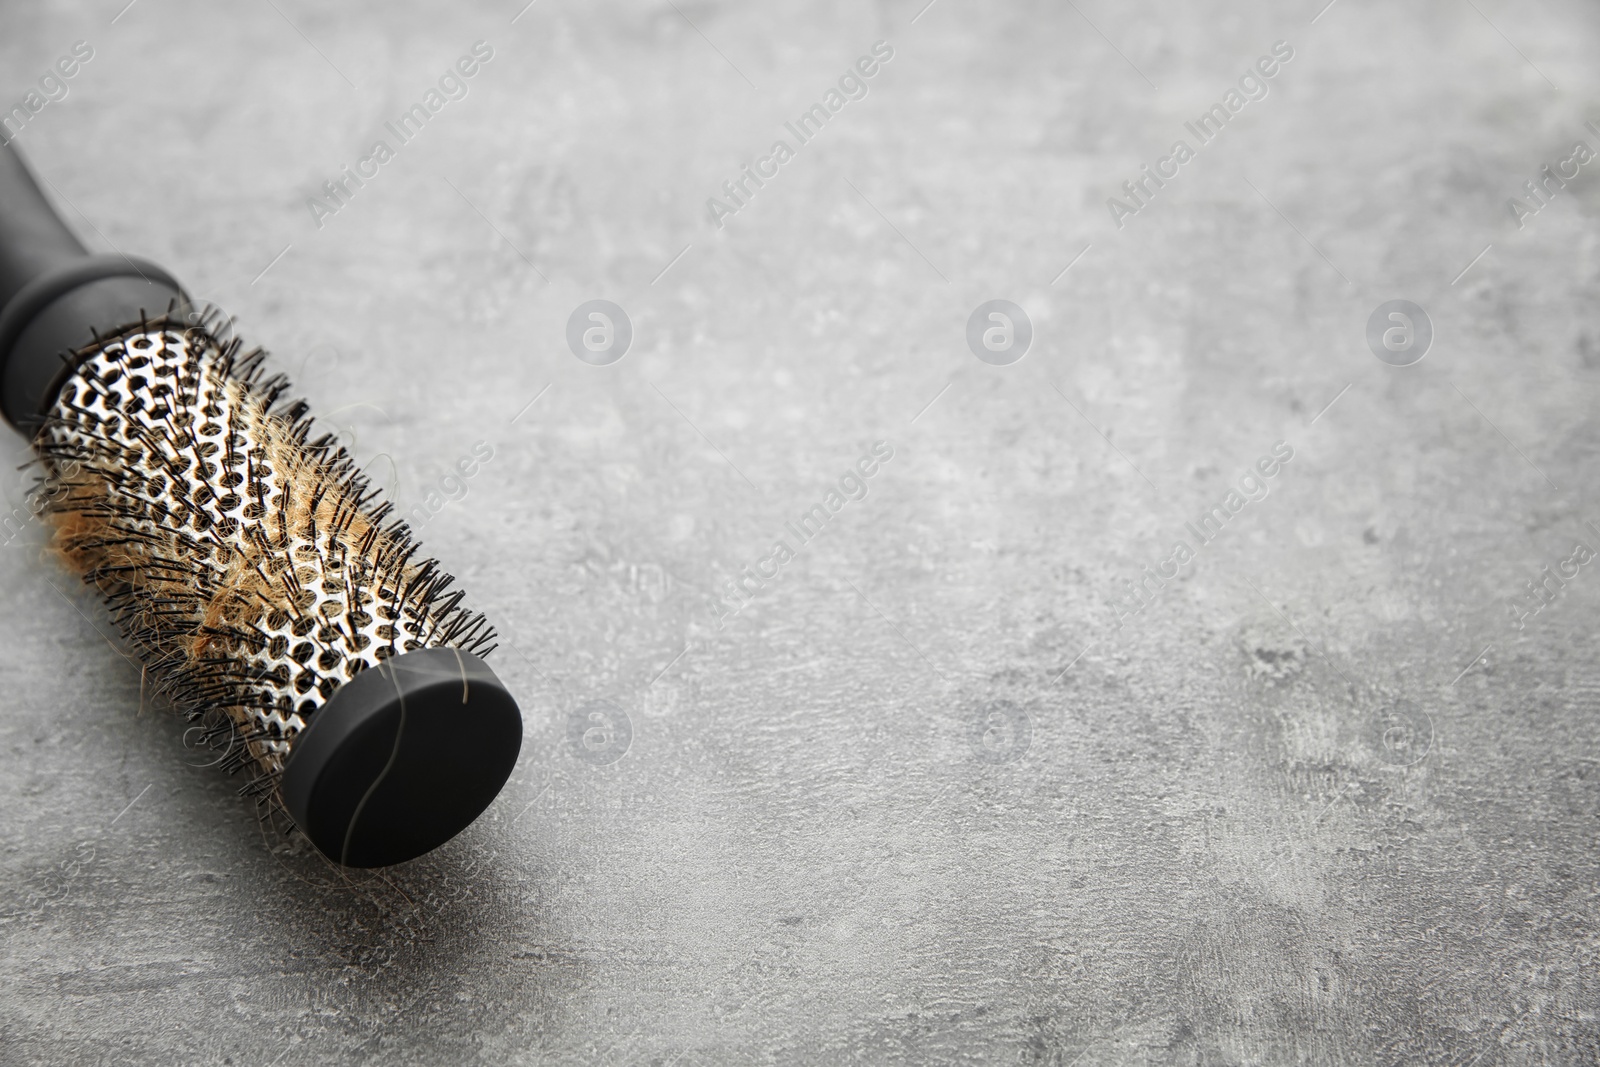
251	568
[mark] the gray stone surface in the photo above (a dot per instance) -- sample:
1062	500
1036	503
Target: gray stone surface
922	800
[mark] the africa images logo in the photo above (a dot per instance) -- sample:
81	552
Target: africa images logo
339	191
852	485
1253	487
1205	129
852	85
53	89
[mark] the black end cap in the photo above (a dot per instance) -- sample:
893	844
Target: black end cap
402	757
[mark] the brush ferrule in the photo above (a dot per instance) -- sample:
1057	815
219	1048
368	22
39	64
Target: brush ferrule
57	313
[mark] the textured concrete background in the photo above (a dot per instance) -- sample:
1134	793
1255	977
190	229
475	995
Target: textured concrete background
922	800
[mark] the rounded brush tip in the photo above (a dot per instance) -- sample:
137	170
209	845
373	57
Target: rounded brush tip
402	757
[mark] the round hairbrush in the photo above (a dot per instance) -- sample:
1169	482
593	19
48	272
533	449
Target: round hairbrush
249	565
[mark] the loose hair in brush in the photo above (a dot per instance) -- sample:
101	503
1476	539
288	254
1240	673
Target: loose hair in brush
250	565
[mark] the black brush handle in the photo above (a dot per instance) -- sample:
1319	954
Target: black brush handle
54	295
33	239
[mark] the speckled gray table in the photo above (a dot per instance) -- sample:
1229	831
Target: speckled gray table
943	789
